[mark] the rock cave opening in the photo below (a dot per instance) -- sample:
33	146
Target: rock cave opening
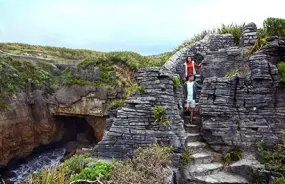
75	132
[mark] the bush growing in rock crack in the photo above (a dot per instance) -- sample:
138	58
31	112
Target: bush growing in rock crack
158	113
176	83
140	89
116	104
271	27
281	68
234	154
185	157
274	159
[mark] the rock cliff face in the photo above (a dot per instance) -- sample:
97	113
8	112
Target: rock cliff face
243	109
31	119
134	125
240	111
24	125
198	51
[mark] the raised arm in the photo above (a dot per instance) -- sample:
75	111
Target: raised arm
197	65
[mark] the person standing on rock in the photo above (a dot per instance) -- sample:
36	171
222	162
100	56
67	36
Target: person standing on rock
189	67
190	91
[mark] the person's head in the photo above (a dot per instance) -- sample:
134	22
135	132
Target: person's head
191	78
188	59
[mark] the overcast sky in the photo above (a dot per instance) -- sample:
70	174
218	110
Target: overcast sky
143	26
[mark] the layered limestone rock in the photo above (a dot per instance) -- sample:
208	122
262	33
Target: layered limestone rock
134	125
240	111
245	108
198	51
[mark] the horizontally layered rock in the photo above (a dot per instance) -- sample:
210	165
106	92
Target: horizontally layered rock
220	63
198	51
134	125
248	107
240	111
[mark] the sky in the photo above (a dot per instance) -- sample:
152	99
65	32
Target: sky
143	26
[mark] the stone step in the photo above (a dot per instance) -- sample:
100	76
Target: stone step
204	169
196	120
195	147
192	137
201	158
220	178
190	128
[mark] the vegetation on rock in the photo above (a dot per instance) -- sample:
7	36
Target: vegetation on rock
17	75
149	165
140	89
176	83
274	160
233	155
233	29
232	73
158	113
116	104
281	68
185	157
271	27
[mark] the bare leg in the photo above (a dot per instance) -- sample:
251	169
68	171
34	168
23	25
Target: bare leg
191	114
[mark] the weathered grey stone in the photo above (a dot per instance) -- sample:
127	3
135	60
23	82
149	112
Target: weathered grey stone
240	111
135	123
198	51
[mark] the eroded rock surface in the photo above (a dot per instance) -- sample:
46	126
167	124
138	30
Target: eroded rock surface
134	125
240	111
24	126
31	119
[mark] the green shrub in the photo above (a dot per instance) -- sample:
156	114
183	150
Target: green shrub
233	29
116	104
271	27
185	157
61	173
260	42
76	163
140	89
158	113
176	83
92	172
232	156
281	68
274	26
